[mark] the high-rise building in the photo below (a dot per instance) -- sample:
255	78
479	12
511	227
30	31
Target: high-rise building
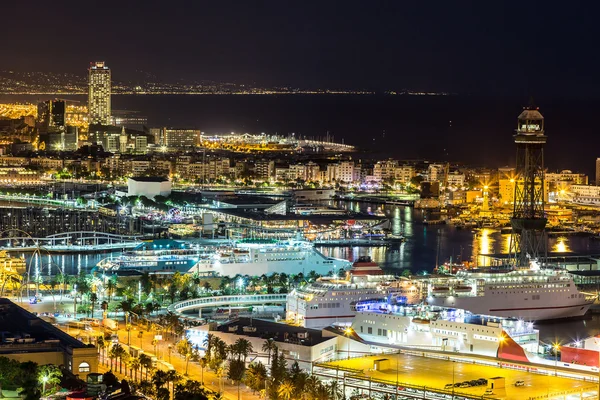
51	116
99	94
597	171
179	138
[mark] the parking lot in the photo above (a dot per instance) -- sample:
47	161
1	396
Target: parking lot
437	373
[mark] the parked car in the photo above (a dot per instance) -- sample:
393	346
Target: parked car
449	386
520	383
465	385
489	391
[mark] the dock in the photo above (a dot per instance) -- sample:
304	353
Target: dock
357	242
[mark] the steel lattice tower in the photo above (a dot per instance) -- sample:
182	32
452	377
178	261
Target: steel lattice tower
528	238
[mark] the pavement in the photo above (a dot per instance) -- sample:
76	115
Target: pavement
436	373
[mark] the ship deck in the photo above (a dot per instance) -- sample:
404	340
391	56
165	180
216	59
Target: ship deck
414	371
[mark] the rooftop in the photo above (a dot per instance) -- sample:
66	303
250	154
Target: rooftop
272	330
149	179
19	327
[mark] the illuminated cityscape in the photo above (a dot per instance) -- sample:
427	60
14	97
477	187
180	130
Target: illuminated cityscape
299	202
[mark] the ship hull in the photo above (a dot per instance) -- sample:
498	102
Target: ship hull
528	310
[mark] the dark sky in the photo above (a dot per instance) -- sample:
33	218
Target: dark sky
486	47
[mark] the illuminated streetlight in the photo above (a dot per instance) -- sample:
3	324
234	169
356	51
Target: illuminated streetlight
347	332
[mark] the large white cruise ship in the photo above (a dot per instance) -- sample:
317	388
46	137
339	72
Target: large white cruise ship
531	294
331	300
439	328
258	257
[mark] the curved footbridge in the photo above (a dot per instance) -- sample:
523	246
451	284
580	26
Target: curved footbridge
226	301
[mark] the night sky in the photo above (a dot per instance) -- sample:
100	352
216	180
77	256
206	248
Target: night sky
496	48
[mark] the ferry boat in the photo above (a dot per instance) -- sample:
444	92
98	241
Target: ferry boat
157	257
329	300
444	329
265	256
532	294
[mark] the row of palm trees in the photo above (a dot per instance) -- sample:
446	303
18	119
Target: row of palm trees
280	383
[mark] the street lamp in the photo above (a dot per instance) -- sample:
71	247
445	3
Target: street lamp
347	332
556	347
128	328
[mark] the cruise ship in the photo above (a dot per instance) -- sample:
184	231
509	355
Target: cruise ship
532	294
157	257
258	257
330	300
444	329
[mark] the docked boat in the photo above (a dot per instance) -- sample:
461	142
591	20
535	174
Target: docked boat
531	294
331	300
265	256
445	329
157	257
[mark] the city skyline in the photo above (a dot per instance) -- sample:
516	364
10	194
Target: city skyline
384	46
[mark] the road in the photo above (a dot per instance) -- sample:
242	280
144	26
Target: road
145	342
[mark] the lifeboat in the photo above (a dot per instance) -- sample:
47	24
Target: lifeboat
421	321
440	290
462	289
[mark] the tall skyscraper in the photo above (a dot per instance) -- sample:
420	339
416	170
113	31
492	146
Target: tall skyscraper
597	171
99	93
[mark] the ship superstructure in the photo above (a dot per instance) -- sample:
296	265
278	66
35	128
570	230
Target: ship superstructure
531	294
331	300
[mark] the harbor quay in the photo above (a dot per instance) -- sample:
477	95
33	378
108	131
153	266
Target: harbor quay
420	375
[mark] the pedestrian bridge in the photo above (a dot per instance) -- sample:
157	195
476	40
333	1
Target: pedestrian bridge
226	301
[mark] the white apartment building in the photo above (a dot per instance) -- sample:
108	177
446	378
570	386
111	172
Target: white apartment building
385	170
585	194
404	173
456	179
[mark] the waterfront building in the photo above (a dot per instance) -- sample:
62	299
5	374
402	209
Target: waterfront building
19	175
99	106
586	194
172	138
561	182
263	169
385	170
404	173
346	172
436	173
455	179
148	186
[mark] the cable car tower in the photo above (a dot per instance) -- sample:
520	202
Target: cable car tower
528	238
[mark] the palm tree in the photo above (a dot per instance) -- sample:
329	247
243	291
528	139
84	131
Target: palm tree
256	376
203	364
159	379
185	348
322	393
243	348
312	385
269	346
134	365
113	354
145	362
173	377
335	390
285	390
102	345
